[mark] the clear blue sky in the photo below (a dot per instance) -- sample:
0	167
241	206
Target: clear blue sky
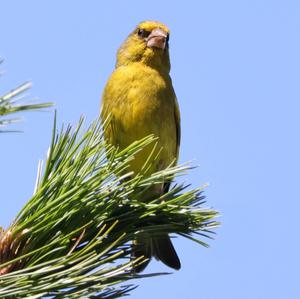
236	72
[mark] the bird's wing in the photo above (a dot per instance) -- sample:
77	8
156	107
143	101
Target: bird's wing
177	123
113	126
178	136
112	96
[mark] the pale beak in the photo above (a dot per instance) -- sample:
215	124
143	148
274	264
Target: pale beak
157	39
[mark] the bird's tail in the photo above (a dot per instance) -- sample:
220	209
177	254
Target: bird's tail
160	247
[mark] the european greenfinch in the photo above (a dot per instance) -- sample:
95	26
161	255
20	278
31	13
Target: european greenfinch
140	100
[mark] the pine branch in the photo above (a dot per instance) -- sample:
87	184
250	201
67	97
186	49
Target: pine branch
72	238
9	104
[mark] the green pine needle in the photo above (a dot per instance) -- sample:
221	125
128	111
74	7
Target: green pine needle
9	105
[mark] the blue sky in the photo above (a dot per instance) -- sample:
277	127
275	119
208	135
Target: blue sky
236	72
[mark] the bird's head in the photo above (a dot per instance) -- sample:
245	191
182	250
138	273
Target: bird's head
148	44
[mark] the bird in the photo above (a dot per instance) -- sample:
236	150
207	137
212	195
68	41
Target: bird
139	99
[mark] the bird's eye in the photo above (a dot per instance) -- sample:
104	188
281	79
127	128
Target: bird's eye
143	33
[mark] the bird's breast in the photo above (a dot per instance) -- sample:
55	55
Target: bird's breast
141	94
141	101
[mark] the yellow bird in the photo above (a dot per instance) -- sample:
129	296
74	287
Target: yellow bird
140	100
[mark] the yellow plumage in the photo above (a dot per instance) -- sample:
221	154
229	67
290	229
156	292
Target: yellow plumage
140	100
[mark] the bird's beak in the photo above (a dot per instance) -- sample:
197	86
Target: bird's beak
157	39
